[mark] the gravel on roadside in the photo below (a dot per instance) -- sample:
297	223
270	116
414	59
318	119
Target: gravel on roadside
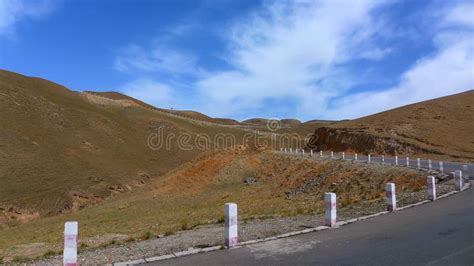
213	234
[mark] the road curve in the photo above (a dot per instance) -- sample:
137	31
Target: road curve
438	233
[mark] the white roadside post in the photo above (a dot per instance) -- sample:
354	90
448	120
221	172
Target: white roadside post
343	155
311	153
355	156
330	214
383	158
231	233
431	188
396	160
302	150
321	154
368	158
418	163
458	180
441	167
291	150
465	169
408	161
391	198
429	164
70	244
332	155
281	149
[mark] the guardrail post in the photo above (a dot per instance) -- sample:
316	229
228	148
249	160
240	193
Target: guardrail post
231	233
391	197
458	180
70	244
343	155
431	183
330	214
321	154
429	165
368	158
408	161
332	154
311	153
441	167
418	163
281	149
302	150
291	150
355	157
383	158
396	160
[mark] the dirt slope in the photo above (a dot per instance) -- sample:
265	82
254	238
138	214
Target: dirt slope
61	150
439	128
195	193
86	156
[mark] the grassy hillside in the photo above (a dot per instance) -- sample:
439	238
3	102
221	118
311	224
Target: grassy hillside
195	193
439	128
92	157
61	151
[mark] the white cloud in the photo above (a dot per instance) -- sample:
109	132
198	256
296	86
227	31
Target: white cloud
276	54
158	59
462	14
450	70
284	51
298	51
375	54
13	11
162	55
150	91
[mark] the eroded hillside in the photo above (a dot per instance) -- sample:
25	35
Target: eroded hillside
439	128
96	158
61	151
263	183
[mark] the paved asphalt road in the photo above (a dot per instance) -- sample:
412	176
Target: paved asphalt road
448	166
467	168
439	233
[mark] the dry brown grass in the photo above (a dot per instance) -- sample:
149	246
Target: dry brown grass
68	157
60	152
439	128
182	200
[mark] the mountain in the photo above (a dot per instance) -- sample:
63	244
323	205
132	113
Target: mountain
283	126
61	150
438	128
95	158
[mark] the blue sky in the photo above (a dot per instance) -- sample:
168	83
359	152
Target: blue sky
240	59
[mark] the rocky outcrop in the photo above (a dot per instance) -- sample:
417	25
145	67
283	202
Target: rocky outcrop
357	140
